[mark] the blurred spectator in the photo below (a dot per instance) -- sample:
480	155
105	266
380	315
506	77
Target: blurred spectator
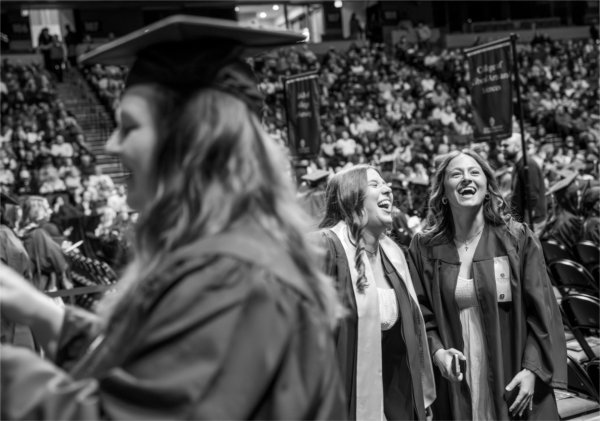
356	28
44	45
512	150
87	165
57	57
71	42
61	149
591	213
423	35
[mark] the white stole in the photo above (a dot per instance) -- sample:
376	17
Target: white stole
369	381
397	259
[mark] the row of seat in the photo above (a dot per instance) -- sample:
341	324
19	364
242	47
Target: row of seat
86	271
573	271
575	274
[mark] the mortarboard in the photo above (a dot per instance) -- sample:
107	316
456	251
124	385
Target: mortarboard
186	53
315	176
561	184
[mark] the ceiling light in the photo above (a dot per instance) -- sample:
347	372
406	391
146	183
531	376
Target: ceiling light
337	3
276	7
237	9
262	15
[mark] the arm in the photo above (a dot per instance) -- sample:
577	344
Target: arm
210	349
545	354
545	349
423	290
21	302
443	358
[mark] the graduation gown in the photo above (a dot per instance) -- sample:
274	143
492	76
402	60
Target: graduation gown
226	328
523	332
46	257
566	228
406	377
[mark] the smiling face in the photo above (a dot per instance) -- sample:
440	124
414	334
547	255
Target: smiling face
378	203
134	141
465	183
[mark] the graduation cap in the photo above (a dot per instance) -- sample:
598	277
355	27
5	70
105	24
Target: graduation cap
315	176
190	52
561	184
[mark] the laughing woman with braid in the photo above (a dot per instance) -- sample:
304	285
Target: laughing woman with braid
381	345
486	299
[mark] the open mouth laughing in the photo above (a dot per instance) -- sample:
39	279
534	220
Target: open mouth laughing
385	204
467	191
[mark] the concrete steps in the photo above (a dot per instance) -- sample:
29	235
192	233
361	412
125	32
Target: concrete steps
95	121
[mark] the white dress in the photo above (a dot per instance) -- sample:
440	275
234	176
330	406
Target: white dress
474	349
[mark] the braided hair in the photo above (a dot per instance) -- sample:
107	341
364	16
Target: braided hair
344	198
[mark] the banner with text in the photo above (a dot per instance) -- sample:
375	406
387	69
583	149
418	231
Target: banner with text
491	90
303	119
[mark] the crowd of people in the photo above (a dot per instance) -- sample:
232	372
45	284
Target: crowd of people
43	151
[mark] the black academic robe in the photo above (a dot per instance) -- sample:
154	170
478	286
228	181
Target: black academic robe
47	258
401	359
537	191
224	329
566	228
526	332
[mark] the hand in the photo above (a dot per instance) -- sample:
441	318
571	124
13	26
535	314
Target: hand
525	379
428	414
444	359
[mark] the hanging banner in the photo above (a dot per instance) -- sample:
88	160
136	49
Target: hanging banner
303	119
491	90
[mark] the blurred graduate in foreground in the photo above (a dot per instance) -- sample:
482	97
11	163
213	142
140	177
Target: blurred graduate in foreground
221	314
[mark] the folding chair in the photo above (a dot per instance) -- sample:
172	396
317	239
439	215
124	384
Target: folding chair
553	250
578	380
589	253
582	315
593	370
569	276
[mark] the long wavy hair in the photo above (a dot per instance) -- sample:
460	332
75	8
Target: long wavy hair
440	225
345	201
213	165
35	210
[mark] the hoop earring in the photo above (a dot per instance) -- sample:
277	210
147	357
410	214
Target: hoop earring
444	201
487	196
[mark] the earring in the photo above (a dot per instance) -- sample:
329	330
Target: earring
444	201
487	196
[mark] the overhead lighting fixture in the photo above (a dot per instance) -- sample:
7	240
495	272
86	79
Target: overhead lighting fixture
338	4
237	9
262	15
25	13
276	7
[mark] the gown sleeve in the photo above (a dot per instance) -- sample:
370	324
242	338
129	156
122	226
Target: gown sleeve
79	329
545	349
421	273
227	342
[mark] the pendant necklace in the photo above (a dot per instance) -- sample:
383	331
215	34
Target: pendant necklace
468	241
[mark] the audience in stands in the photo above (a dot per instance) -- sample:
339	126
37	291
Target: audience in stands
405	104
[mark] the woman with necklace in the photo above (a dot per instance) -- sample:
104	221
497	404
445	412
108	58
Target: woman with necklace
381	343
487	300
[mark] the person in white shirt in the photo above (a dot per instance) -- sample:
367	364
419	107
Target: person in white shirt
60	148
346	145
